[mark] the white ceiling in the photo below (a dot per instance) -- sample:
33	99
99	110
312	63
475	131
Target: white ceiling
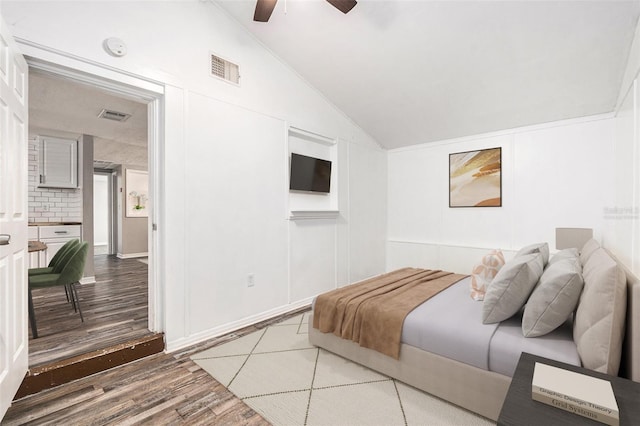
63	108
410	72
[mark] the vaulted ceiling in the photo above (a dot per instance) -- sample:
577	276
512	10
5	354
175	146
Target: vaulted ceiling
410	72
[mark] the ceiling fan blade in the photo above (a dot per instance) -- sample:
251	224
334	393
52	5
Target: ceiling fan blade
343	5
264	8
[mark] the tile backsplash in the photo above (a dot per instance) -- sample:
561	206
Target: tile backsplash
51	204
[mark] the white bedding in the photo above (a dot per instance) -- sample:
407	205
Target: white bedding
508	343
450	324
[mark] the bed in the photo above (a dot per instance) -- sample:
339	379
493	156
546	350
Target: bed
470	364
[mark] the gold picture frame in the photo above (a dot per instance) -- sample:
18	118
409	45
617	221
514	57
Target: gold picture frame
475	178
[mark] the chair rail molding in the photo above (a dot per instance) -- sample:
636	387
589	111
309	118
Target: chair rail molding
314	214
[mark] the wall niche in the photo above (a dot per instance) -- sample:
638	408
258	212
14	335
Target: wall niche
313	205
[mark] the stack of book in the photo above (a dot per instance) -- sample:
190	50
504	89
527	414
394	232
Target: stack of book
574	392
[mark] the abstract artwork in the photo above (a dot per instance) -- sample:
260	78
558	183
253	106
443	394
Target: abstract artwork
475	178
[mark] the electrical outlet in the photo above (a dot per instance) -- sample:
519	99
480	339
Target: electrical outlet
45	207
251	280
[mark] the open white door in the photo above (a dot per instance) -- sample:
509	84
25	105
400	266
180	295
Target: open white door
14	337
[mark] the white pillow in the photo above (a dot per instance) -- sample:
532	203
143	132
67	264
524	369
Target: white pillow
587	250
484	272
554	298
569	253
598	328
542	248
511	287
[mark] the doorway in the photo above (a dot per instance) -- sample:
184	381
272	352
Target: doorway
151	105
102	208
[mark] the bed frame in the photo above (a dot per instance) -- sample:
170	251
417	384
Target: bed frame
475	389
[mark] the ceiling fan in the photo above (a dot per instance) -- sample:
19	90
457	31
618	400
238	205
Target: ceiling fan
265	7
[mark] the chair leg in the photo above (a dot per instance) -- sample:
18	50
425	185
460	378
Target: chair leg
73	301
74	294
32	317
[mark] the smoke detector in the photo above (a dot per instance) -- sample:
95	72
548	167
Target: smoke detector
115	47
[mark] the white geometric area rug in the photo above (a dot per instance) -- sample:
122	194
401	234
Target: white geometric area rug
279	374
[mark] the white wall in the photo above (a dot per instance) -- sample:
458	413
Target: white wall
224	175
132	232
554	175
624	217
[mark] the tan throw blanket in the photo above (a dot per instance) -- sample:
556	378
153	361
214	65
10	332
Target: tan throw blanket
372	312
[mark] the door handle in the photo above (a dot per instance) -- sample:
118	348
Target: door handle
5	239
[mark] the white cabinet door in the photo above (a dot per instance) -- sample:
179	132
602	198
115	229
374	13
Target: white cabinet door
13	218
58	162
52	249
34	256
34	259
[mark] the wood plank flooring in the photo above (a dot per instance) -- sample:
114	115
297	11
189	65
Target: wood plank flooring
114	309
162	389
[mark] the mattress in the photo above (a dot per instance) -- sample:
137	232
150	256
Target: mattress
450	324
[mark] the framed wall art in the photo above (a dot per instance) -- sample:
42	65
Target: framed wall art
475	178
137	195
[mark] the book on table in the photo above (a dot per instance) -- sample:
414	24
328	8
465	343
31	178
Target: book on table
574	392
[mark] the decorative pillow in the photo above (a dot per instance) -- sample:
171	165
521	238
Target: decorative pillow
484	272
587	250
598	328
554	298
542	248
511	287
566	254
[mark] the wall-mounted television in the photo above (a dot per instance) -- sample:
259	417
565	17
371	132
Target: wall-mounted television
309	174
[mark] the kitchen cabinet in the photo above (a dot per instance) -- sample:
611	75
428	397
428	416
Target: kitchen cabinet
58	163
55	237
34	256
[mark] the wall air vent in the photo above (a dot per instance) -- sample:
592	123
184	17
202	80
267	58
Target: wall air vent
224	69
113	115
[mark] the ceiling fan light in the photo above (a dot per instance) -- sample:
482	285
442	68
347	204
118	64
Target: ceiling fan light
343	6
264	9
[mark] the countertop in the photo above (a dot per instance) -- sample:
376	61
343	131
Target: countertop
36	246
53	223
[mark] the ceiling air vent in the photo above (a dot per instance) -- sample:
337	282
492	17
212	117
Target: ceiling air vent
108	114
104	165
224	69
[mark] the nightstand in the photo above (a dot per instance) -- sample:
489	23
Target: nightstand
520	409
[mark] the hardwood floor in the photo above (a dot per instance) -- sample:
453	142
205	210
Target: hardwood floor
158	390
114	309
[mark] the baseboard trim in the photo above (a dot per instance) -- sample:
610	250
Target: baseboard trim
236	325
61	372
132	255
88	280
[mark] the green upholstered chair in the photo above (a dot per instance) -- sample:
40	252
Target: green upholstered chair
57	262
61	256
70	274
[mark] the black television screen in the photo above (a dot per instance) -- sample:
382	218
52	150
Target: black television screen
309	174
